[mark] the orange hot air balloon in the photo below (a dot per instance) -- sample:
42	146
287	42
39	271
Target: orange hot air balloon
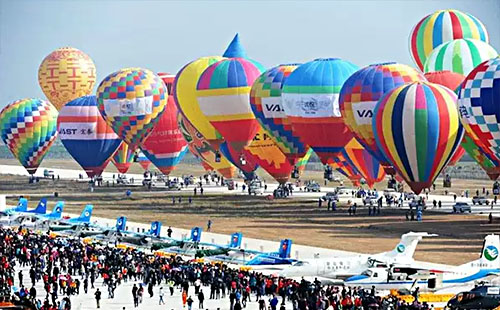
66	74
445	78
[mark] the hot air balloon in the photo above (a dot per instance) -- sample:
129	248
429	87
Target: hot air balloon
29	127
247	164
223	96
346	168
360	94
302	162
440	27
310	99
264	151
66	74
168	79
143	161
491	167
200	147
165	146
445	78
265	100
86	136
417	127
459	56
366	164
184	91
123	158
131	101
479	106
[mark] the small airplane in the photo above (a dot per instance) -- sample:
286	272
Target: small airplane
92	230
35	219
430	276
328	268
22	207
65	224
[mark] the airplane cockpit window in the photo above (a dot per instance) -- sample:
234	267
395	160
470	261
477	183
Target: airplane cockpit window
298	264
367	273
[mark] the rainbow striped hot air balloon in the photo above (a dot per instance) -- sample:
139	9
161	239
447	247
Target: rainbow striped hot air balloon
184	92
479	106
459	56
123	158
417	127
367	165
86	136
489	165
440	27
360	94
223	96
265	100
29	127
310	99
131	101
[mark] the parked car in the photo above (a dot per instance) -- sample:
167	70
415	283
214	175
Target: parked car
330	196
48	173
370	200
461	207
313	186
480	200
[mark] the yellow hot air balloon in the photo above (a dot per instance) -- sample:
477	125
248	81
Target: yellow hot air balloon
184	92
66	74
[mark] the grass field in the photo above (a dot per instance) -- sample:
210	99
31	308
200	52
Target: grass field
460	237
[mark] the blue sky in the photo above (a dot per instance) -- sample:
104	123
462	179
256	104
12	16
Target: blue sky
164	35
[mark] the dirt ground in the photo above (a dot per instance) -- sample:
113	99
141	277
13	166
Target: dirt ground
459	241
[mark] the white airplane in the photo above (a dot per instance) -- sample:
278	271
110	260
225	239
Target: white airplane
433	277
329	268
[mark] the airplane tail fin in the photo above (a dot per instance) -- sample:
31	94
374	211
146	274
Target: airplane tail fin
155	228
58	209
196	234
489	253
285	248
236	240
121	223
406	247
41	208
22	205
86	214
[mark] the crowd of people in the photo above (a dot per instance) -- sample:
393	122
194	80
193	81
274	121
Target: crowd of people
67	267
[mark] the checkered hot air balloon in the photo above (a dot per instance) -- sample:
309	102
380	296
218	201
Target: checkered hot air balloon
123	157
459	56
223	96
184	92
417	127
479	106
86	135
29	127
131	101
66	74
310	100
366	164
440	27
202	149
265	100
360	94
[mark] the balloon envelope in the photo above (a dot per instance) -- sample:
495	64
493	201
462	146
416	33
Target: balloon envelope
360	94
310	99
200	147
143	161
459	56
479	106
223	96
417	127
440	27
445	78
165	146
184	90
86	136
29	127
123	158
131	101
66	74
265	100
366	164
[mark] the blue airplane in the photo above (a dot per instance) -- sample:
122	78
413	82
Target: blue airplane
84	218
